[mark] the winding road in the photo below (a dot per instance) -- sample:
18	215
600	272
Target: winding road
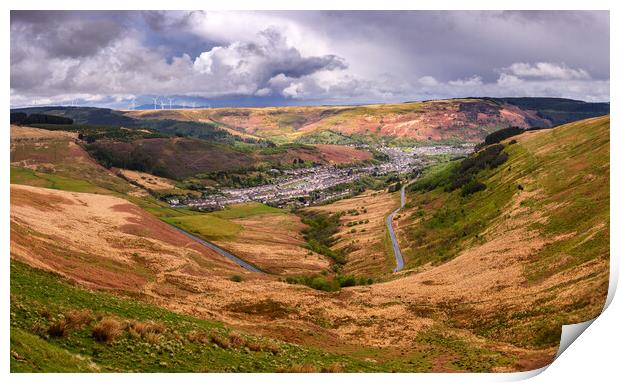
400	261
220	251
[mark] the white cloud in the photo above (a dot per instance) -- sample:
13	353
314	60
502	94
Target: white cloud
546	70
508	80
471	81
428	81
263	92
295	90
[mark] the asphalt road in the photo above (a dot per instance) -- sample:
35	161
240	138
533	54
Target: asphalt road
220	251
400	261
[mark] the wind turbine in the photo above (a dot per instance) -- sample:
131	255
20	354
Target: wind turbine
155	102
161	103
170	103
133	103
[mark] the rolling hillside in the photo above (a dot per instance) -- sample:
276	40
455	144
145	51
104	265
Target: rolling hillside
491	276
454	120
527	253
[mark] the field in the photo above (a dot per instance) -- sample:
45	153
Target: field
264	236
148	181
363	234
545	212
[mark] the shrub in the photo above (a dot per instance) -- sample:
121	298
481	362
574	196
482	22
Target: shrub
472	187
236	340
198	337
58	328
79	318
301	368
236	278
107	330
146	330
220	340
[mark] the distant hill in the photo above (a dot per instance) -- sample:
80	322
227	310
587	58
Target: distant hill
558	110
454	120
448	121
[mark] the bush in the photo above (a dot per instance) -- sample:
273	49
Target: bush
236	278
221	341
58	328
79	318
472	187
319	282
145	330
107	330
319	234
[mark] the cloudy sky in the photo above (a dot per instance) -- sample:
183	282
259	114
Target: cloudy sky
293	58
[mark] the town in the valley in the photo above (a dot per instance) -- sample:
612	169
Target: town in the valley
320	184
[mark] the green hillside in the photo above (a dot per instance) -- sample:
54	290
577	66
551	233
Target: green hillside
58	327
545	208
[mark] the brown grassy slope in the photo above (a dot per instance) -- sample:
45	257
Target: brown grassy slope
468	119
367	247
54	159
274	243
131	255
183	157
488	308
102	241
541	256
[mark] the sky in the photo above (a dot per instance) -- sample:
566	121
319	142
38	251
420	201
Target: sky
238	58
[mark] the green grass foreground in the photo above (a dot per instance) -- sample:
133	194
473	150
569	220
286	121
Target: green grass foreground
41	303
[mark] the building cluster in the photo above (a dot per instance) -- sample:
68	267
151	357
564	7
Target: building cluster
317	185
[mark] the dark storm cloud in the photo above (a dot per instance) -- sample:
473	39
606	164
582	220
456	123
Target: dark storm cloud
346	57
66	34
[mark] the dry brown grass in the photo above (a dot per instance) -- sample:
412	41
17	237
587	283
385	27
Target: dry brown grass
274	243
58	328
147	181
79	318
107	330
301	368
74	319
365	244
149	331
220	340
309	368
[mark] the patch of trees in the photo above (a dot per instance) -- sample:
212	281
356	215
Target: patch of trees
18	118
134	159
464	177
39	118
502	134
240	179
92	133
323	283
320	232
